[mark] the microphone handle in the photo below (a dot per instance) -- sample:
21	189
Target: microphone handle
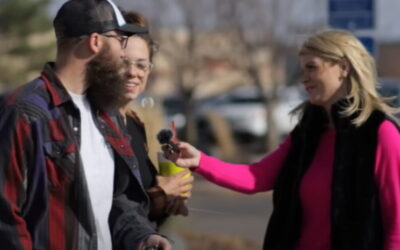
174	147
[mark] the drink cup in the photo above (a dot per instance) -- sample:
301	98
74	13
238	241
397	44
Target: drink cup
169	168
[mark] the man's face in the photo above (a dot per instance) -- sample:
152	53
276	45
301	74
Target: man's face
117	42
105	76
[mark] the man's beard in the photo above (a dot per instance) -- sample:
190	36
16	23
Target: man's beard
105	78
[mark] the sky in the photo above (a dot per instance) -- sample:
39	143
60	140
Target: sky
306	11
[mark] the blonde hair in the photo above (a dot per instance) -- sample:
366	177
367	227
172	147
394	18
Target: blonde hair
338	45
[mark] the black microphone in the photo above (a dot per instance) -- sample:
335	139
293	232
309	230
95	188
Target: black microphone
164	137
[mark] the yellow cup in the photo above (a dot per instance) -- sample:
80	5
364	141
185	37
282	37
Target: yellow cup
167	167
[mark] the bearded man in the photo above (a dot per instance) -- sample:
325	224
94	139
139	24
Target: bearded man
58	154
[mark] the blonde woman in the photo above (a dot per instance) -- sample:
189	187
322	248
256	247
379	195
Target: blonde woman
336	177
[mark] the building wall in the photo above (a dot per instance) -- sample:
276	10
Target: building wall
388	60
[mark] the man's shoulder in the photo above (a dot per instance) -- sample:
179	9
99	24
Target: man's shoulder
30	98
26	93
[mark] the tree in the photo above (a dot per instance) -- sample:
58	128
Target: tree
263	28
26	39
254	38
181	30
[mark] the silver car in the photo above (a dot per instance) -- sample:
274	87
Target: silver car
246	112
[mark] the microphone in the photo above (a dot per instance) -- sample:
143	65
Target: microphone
165	138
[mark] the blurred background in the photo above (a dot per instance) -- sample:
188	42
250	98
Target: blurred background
226	73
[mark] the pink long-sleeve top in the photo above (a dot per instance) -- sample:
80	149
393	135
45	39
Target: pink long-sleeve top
315	187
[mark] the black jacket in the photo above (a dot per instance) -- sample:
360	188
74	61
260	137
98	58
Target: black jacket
355	214
158	198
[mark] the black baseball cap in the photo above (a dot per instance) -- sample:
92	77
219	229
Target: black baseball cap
82	17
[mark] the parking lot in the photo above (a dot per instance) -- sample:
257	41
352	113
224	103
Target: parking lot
221	217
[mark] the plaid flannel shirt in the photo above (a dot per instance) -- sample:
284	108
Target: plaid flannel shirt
44	199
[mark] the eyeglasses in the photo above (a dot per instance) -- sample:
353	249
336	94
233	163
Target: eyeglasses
143	65
121	38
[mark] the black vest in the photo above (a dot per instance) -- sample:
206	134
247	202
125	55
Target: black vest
355	213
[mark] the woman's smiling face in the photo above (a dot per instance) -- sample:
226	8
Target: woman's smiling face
323	80
138	53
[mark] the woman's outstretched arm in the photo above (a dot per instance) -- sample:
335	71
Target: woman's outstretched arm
245	178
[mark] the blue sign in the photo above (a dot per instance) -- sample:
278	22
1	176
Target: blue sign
369	44
352	14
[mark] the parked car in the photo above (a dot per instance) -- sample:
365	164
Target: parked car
174	111
242	108
289	98
245	111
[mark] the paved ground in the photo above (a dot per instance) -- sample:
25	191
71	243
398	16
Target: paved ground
222	213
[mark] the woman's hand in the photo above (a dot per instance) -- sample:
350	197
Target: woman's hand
177	189
189	156
176	185
155	242
176	206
